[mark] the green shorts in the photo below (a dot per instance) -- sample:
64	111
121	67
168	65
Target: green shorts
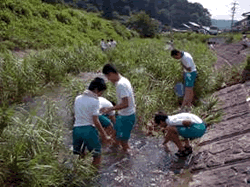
87	135
189	78
123	126
196	130
105	121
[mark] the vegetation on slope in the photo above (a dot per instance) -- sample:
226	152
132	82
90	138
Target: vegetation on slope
34	24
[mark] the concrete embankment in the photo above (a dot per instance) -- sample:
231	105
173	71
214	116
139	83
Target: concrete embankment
223	157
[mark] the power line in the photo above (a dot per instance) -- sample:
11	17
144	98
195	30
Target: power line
233	11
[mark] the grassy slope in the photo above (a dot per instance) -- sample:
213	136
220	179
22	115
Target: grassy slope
34	24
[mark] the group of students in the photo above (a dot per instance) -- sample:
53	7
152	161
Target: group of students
94	113
108	45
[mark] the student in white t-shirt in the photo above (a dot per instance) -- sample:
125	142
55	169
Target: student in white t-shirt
126	106
103	45
113	43
190	74
85	132
107	120
187	125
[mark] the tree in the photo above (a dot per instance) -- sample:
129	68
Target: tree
108	9
143	24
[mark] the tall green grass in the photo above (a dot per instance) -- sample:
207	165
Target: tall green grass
33	153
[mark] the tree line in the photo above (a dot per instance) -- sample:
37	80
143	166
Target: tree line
168	12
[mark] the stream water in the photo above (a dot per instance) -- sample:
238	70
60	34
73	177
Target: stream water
149	165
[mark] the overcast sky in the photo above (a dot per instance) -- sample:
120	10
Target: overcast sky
221	9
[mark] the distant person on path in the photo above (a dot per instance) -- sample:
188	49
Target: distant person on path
108	44
126	118
103	45
186	125
190	74
107	120
113	43
246	43
86	122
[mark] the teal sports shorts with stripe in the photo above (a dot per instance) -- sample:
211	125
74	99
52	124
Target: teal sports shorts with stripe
88	137
123	126
196	130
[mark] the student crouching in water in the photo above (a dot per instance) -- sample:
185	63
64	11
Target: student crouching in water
186	125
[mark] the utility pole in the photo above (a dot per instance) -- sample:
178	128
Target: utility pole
233	11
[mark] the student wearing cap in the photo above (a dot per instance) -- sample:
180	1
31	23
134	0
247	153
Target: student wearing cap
125	119
190	74
186	125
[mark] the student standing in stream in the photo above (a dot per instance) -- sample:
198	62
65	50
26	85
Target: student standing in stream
86	122
190	74
126	106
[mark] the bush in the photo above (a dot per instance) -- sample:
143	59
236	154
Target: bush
143	24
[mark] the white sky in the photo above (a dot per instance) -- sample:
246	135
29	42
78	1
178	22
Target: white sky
221	9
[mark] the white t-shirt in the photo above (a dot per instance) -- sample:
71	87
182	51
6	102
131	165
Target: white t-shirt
103	103
177	119
124	89
187	61
103	44
113	44
86	106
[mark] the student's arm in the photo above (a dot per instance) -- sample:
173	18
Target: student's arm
186	123
100	128
122	105
112	118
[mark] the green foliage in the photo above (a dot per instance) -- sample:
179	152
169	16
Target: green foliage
247	67
33	152
33	24
143	24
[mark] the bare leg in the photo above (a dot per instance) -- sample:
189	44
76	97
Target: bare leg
173	135
187	143
125	146
96	161
188	98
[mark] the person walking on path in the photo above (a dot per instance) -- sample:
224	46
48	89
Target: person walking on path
103	45
246	43
186	125
85	132
113	43
190	74
126	118
107	120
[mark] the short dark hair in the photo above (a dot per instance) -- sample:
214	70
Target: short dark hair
98	83
160	116
113	103
109	68
111	40
174	52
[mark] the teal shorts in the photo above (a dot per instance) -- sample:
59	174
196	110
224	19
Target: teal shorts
196	130
105	121
123	126
86	136
189	78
